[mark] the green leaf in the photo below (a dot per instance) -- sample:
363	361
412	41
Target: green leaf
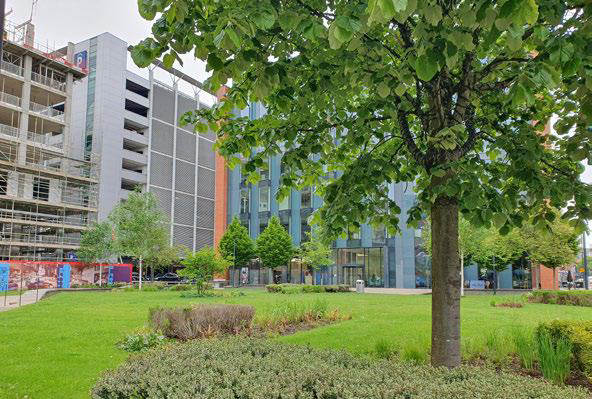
400	89
218	38
233	36
264	19
168	60
425	68
499	219
433	14
383	89
214	62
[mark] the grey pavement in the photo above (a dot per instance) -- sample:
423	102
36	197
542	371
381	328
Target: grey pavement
27	298
397	291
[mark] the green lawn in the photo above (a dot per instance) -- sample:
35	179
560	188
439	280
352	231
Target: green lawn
58	347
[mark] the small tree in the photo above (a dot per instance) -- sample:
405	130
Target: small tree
315	252
274	245
236	245
97	245
552	248
140	227
202	265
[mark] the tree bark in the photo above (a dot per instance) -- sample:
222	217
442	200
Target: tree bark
140	274
446	283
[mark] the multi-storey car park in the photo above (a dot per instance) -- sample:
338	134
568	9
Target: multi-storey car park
132	122
48	191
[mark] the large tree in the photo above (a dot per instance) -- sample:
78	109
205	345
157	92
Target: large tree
274	245
445	93
141	228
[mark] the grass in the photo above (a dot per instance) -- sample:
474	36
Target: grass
59	346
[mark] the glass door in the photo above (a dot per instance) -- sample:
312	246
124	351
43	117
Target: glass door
352	273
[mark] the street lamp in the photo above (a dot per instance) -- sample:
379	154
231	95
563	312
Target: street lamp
234	262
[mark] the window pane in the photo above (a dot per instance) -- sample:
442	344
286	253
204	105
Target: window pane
285	203
306	198
263	199
244	201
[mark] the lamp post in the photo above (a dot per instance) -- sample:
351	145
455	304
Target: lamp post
234	262
586	285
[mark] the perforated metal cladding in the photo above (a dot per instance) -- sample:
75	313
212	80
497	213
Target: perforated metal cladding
206	183
205	213
162	137
183	235
184	208
164	199
209	135
186	146
206	155
185	177
184	105
203	238
161	170
163	104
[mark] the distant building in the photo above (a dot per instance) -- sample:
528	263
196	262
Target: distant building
133	123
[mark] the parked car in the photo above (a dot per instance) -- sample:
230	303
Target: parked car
170	278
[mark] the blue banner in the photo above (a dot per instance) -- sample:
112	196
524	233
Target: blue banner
64	276
4	276
111	275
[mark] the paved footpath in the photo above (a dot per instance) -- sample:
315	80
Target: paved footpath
28	297
398	291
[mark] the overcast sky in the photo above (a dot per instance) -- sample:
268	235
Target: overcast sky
58	22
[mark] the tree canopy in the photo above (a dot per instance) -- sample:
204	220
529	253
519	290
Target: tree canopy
315	252
236	241
453	95
97	243
202	265
274	245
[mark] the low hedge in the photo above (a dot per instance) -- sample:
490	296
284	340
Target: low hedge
304	288
579	333
261	369
576	298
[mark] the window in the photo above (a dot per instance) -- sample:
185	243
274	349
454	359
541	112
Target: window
353	235
306	198
264	199
41	189
284	204
379	234
244	200
304	232
3	183
264	171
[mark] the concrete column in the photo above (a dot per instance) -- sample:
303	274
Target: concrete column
25	100
68	108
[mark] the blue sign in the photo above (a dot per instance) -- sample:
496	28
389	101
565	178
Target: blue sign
4	276
64	276
72	256
111	275
80	59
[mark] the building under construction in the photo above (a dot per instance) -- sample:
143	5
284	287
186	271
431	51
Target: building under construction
48	194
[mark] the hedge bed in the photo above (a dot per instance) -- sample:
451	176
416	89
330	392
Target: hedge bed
577	298
303	288
260	369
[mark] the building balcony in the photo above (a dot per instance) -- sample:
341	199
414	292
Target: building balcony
136	119
44	80
22	217
48	139
130	95
133	177
10	99
135	137
11	68
7	130
134	158
47	111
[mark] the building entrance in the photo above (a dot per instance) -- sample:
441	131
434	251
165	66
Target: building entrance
351	273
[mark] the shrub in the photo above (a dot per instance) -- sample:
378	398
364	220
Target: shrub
524	344
304	288
248	368
579	335
198	294
140	341
201	321
187	287
576	298
554	357
415	354
293	314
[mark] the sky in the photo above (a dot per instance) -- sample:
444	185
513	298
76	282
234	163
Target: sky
58	22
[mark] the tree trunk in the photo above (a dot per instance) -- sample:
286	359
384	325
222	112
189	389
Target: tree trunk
445	283
462	274
140	274
100	274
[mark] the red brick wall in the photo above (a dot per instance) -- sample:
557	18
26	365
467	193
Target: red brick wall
546	278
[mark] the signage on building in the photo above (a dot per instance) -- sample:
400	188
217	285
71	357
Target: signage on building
80	59
477	284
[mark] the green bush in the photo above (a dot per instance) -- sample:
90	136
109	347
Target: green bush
579	335
140	342
185	287
576	298
256	369
304	288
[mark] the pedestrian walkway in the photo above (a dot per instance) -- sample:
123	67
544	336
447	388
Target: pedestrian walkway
31	296
398	291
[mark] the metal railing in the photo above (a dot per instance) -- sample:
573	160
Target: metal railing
9	130
81	221
10	99
39	239
46	110
44	80
11	68
45	138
